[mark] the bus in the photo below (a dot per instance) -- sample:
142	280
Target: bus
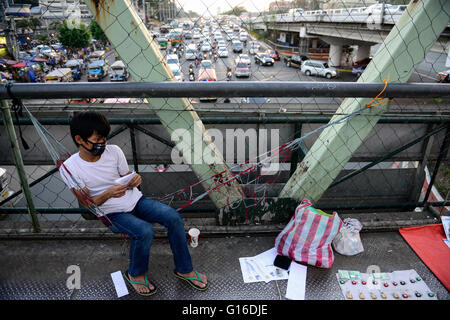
207	73
175	38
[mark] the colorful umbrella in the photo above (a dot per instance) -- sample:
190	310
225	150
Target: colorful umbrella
23	64
6	61
34	59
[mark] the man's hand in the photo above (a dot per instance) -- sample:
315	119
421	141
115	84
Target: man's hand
117	191
135	182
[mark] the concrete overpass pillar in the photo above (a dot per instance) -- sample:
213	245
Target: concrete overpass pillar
362	52
335	56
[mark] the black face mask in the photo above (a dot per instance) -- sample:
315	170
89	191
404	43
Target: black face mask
97	148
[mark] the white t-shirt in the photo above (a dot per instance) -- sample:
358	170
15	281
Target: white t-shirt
100	175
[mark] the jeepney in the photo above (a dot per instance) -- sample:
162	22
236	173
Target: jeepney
118	71
59	75
97	55
97	70
76	65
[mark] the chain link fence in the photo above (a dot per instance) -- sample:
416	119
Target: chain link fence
277	126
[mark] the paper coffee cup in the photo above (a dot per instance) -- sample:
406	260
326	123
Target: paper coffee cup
193	236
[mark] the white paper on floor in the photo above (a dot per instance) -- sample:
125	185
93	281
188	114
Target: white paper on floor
261	268
119	284
297	282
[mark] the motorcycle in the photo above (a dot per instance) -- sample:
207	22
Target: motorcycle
215	56
191	76
229	74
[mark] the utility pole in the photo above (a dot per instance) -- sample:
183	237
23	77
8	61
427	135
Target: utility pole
9	30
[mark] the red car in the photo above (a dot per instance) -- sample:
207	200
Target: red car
363	62
274	55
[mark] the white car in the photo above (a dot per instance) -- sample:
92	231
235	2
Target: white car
196	36
221	44
222	52
172	59
254	48
206	47
243	58
176	72
45	50
319	68
190	53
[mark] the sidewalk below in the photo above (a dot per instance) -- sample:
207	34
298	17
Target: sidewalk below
36	269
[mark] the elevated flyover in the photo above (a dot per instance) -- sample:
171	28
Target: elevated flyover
338	27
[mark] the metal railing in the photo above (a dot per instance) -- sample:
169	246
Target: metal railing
435	119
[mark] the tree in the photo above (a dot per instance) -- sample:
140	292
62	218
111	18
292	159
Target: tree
43	39
97	32
32	23
192	14
55	25
237	11
72	37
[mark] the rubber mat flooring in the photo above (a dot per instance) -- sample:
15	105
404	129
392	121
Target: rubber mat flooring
37	269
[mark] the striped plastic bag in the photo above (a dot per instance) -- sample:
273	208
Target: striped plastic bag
307	237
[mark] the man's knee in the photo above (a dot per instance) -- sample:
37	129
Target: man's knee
146	231
174	218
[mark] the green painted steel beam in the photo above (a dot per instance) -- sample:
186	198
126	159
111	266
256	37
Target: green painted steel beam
402	51
18	160
140	53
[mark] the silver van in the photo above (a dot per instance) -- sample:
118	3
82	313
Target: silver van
318	68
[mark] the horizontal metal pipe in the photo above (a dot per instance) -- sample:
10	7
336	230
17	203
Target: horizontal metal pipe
211	209
244	120
223	89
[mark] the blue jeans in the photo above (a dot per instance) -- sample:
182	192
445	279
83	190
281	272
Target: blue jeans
137	224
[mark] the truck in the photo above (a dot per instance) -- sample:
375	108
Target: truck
97	70
118	71
59	75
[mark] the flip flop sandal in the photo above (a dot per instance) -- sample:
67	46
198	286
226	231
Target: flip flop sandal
152	292
188	280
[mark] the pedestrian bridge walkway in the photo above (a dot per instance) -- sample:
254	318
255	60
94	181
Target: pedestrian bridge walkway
36	269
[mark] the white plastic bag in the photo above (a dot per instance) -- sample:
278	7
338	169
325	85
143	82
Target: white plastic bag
348	242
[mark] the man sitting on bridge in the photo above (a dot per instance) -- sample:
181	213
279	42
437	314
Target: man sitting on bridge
95	168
